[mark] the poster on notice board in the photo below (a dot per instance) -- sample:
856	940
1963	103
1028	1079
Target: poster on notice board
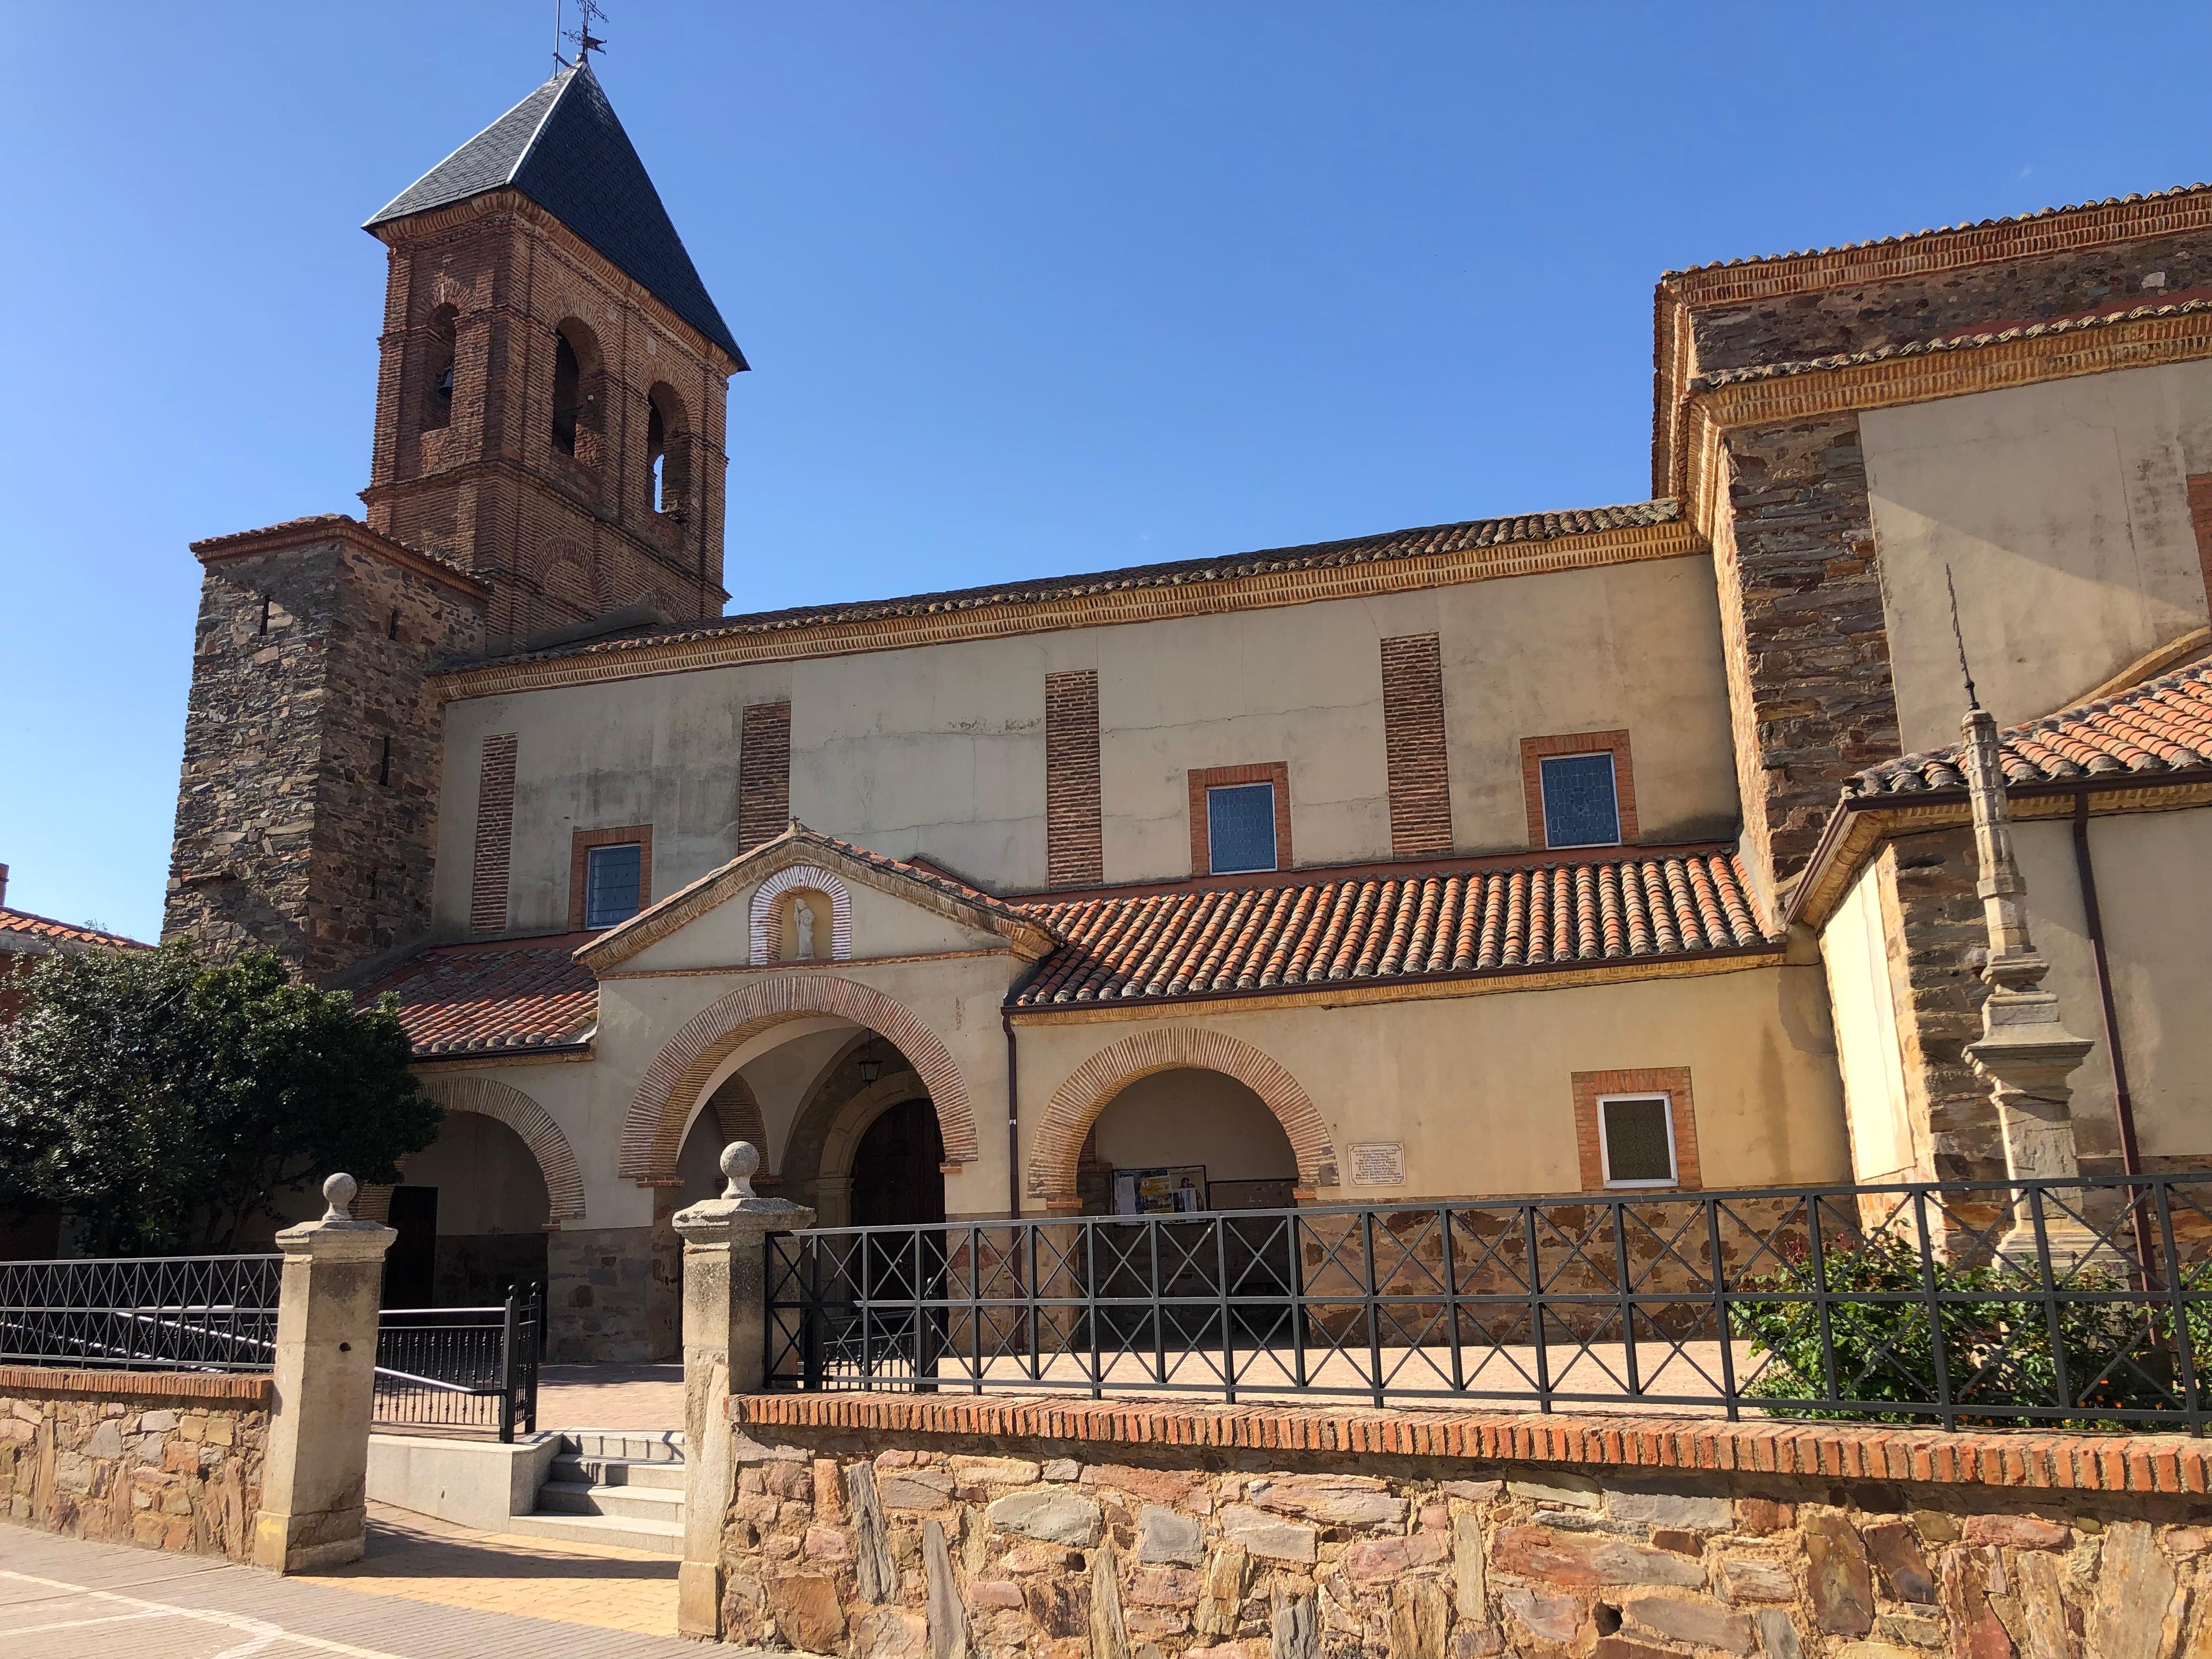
1180	1190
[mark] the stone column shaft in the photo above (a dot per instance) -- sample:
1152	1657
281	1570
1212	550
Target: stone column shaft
314	1477
725	1353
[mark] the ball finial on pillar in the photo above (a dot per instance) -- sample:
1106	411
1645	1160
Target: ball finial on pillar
338	1192
739	1159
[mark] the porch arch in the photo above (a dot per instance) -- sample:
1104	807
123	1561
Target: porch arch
1076	1104
502	1102
652	1133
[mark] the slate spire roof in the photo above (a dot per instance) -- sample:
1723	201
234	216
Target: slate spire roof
562	147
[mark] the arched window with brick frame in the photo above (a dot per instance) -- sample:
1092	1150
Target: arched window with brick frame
438	370
668	456
577	400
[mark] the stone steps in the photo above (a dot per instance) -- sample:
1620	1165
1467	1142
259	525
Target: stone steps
612	1486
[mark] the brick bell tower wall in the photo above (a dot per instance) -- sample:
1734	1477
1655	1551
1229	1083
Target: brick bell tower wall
307	810
562	528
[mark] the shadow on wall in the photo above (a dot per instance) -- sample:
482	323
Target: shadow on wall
1186	1120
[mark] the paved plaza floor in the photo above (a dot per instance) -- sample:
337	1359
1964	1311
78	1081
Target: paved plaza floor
610	1396
425	1591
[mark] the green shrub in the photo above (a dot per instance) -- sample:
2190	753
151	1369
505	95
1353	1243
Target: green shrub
1998	1344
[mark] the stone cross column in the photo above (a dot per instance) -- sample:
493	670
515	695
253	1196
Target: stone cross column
2025	1051
314	1477
725	1353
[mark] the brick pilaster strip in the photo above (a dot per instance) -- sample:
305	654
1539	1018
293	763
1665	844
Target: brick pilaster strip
764	774
1074	845
1413	745
2032	1460
247	1389
494	835
2200	519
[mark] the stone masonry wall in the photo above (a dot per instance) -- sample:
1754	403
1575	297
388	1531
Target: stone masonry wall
892	1528
603	1293
171	1463
1928	304
306	813
1809	675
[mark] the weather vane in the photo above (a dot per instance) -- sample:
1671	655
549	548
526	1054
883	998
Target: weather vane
587	15
1957	632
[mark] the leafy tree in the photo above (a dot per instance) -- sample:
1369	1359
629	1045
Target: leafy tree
165	1103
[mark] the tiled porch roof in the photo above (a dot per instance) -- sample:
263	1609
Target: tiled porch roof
2160	727
496	998
1615	907
21	931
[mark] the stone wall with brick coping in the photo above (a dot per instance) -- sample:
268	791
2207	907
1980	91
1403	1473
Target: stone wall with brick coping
168	1460
889	1527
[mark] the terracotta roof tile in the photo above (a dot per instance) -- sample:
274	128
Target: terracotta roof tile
494	998
21	931
1615	907
2160	727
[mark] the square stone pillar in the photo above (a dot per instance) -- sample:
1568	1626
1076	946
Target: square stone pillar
314	1477
725	1353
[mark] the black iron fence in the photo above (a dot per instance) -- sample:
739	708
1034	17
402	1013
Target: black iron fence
462	1368
2084	1301
195	1313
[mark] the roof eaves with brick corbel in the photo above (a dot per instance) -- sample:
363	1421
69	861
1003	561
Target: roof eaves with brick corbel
336	526
1926	253
1434	556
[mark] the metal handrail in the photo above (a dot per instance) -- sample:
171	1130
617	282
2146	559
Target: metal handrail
1946	1301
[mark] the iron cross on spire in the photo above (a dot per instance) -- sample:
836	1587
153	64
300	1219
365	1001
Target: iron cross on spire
588	15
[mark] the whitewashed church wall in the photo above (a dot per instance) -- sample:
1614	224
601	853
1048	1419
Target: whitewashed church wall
2062	511
1862	1001
939	750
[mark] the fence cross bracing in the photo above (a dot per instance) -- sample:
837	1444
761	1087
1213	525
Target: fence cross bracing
462	1368
192	1313
1931	1302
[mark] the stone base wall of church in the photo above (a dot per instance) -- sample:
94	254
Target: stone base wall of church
167	1461
605	1290
872	1526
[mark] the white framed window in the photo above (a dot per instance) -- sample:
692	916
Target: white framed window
1582	800
1636	1140
1240	827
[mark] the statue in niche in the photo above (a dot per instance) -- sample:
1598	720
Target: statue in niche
804	914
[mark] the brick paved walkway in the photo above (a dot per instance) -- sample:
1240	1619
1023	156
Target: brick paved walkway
610	1396
426	1591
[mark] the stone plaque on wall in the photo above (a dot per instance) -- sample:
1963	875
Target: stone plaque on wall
1378	1163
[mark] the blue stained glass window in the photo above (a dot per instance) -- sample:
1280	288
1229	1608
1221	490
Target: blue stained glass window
1240	827
611	880
1579	806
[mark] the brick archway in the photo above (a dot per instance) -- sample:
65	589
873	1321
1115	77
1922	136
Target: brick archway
652	1134
504	1103
1076	1104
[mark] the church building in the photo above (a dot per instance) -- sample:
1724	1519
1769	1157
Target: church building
1619	848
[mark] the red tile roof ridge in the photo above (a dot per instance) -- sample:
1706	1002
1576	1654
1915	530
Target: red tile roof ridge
1909	236
1529	858
24	921
1318	929
2157	728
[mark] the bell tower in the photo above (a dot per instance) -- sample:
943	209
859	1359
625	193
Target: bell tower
554	376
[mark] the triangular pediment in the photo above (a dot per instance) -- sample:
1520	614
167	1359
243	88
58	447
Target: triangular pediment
862	903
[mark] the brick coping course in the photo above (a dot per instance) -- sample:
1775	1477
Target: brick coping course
244	1389
2027	1459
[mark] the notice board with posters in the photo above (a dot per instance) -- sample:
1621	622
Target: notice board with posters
1178	1190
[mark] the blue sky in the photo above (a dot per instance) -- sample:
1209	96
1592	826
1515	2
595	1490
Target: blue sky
1026	287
